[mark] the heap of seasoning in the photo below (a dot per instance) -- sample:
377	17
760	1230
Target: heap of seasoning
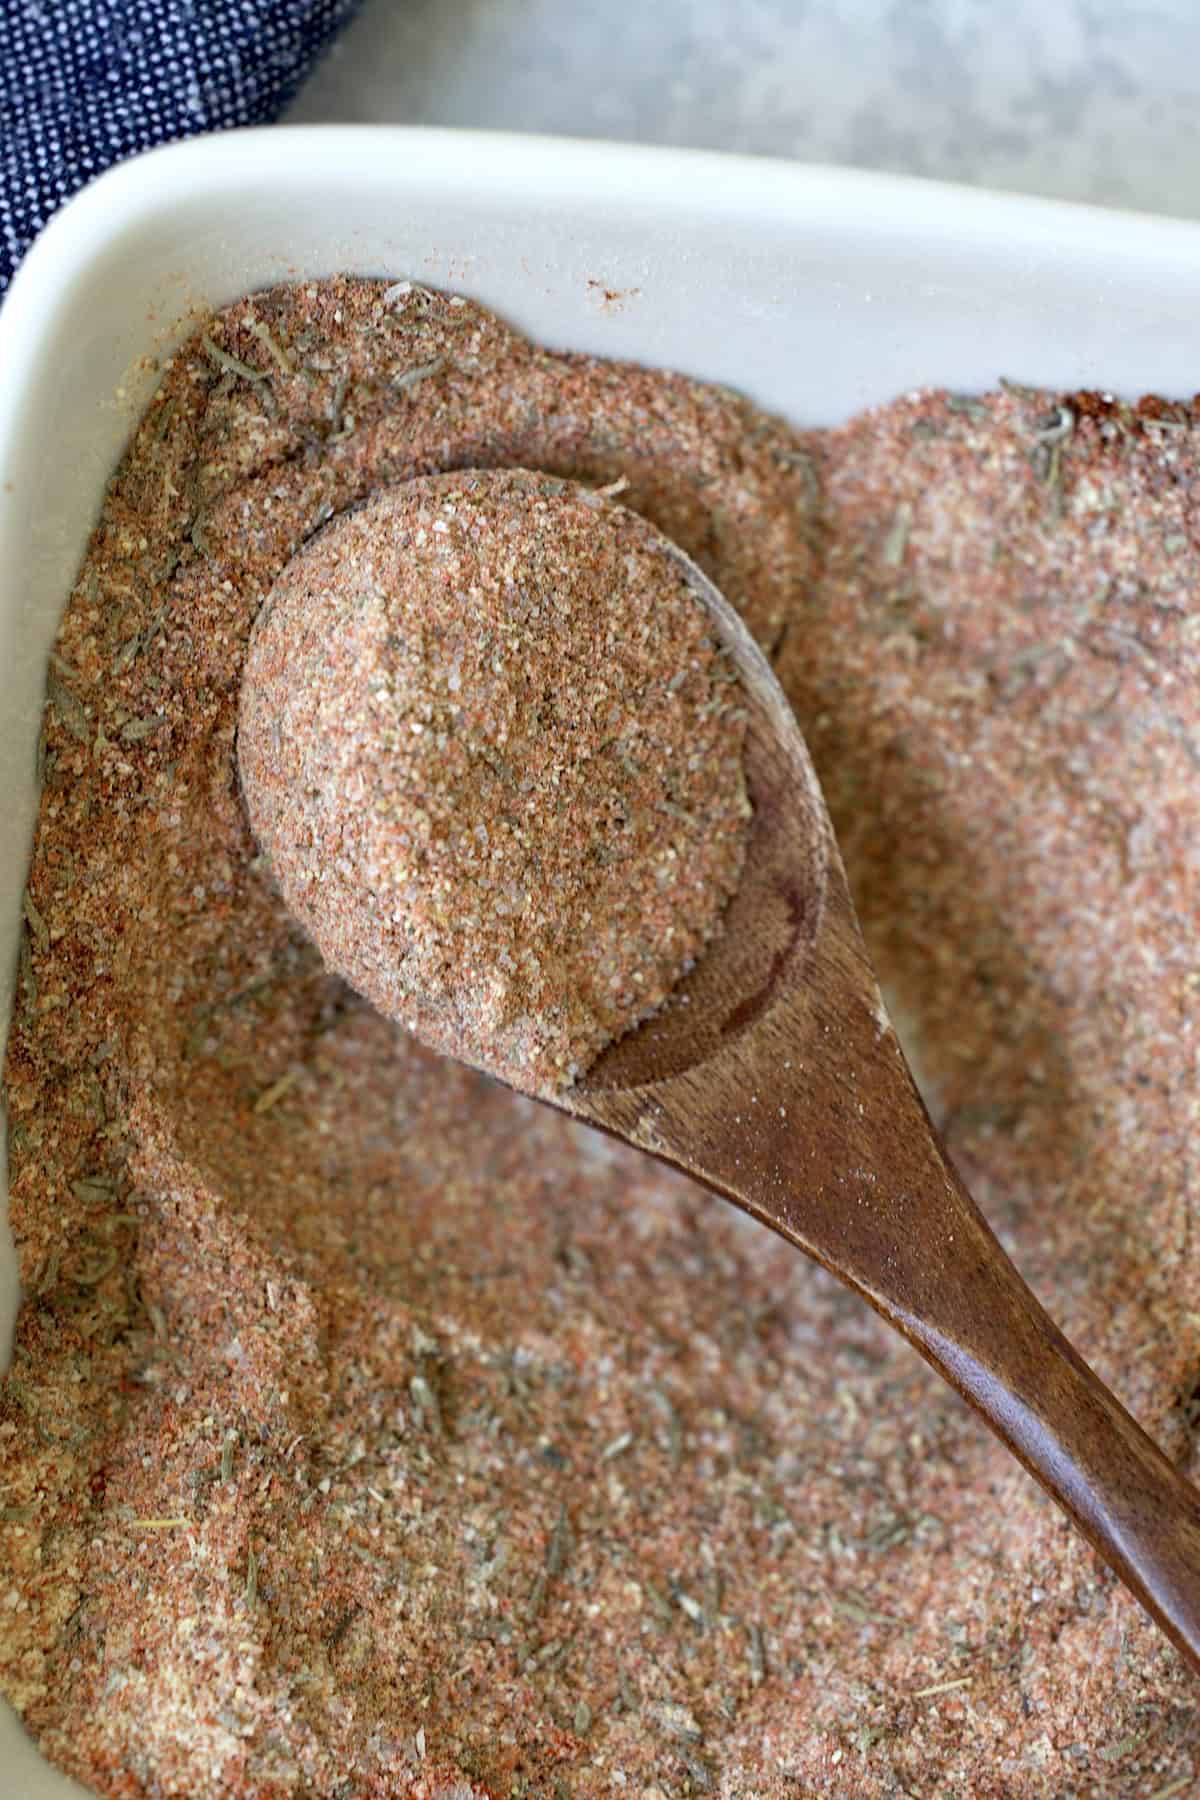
493	753
374	1431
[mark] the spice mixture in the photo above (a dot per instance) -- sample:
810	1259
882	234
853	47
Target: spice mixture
373	1431
493	752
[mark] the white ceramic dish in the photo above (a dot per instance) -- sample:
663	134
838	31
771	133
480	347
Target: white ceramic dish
816	291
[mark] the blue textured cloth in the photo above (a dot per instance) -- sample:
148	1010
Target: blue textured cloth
84	83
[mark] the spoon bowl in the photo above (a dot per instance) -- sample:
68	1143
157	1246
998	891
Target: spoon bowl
773	1076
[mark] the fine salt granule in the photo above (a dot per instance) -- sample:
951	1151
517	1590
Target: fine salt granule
374	1431
493	752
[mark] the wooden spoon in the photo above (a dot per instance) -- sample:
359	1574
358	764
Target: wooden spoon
774	1076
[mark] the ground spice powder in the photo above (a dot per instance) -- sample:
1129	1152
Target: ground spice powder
374	1431
493	751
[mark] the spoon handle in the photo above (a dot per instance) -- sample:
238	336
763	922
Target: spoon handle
852	1172
998	1347
806	1115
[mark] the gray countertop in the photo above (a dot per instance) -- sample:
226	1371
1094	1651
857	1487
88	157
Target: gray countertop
1085	99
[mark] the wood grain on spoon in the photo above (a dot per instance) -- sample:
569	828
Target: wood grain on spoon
774	1077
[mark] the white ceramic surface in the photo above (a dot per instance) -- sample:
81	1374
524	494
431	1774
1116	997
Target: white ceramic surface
816	291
